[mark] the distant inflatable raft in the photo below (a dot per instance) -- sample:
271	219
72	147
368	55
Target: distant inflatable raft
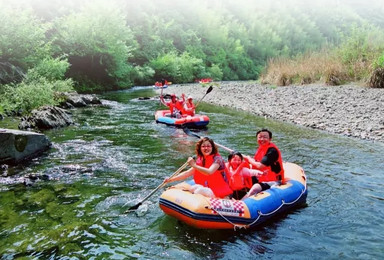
208	213
196	121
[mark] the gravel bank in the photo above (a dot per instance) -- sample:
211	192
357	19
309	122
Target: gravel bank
346	110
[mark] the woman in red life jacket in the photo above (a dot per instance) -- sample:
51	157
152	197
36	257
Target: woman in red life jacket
268	159
189	107
240	177
175	105
208	171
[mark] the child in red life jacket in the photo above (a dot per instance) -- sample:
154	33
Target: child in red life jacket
239	176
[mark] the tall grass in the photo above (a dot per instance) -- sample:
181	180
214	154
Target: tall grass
352	61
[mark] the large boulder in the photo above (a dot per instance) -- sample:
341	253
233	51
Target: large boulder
18	146
73	99
46	117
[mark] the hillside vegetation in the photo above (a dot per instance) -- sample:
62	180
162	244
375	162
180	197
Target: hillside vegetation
90	46
357	59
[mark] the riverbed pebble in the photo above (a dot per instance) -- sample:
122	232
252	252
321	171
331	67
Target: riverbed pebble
350	110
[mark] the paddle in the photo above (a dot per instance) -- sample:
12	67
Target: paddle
208	91
189	132
161	94
157	188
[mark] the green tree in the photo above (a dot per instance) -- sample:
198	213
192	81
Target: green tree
98	44
22	36
181	69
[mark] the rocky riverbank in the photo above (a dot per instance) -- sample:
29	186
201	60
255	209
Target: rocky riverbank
349	110
18	146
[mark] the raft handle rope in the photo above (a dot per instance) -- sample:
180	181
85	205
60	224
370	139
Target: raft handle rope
238	227
273	212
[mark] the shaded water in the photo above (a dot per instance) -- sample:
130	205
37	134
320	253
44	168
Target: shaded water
116	154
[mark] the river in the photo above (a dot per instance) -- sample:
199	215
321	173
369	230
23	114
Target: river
116	154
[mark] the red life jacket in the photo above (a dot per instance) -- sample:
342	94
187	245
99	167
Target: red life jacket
178	105
214	181
236	179
270	175
190	106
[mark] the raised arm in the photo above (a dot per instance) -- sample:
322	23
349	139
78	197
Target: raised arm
162	100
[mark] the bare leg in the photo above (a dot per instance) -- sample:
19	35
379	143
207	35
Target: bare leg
207	192
193	188
256	188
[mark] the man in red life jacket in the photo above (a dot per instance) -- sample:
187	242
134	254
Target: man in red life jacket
175	105
267	159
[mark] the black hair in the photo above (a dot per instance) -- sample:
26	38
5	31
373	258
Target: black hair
265	130
232	154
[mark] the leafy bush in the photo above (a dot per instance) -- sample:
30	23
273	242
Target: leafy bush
39	87
33	94
49	68
358	51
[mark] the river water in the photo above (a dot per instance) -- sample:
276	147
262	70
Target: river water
116	154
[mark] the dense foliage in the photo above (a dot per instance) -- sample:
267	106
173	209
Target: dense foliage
119	43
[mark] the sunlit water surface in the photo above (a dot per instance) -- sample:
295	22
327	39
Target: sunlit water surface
116	154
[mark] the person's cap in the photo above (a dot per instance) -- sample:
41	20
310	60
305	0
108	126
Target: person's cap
189	97
173	95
